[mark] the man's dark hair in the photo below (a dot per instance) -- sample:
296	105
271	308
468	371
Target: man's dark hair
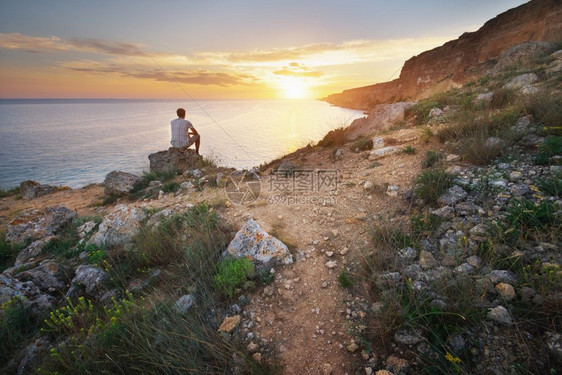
181	112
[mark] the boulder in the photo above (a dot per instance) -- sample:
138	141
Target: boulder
522	81
453	196
381	152
33	250
120	183
37	224
179	159
382	117
31	189
27	292
435	112
183	304
522	53
49	276
91	278
119	226
253	242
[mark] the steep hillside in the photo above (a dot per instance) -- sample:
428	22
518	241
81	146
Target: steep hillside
463	59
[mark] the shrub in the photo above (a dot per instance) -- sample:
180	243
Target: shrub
423	224
420	111
10	192
17	324
546	108
8	252
344	280
430	185
362	144
431	158
171	187
231	274
551	146
551	186
409	150
163	175
523	213
335	137
502	97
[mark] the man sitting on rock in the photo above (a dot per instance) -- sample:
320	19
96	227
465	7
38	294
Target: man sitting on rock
183	132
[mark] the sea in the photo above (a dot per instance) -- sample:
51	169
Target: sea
76	142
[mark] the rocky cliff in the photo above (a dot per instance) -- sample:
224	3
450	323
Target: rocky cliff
463	59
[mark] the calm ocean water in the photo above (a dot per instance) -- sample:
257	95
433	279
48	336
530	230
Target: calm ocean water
77	142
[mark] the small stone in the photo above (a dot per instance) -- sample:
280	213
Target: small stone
352	347
445	212
427	260
515	176
435	112
326	369
184	303
252	347
331	264
344	251
339	154
506	291
452	157
464	269
368	185
368	371
229	323
384	372
392	190
329	254
257	357
474	261
500	314
378	142
407	337
407	254
479	232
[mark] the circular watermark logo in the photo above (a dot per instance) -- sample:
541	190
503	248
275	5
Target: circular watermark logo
242	188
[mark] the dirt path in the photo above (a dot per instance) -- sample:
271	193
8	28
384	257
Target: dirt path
304	312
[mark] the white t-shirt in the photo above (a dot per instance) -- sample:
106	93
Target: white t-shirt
180	138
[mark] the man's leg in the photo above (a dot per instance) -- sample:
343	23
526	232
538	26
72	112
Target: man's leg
197	143
194	139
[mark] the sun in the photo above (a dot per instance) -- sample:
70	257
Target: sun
293	88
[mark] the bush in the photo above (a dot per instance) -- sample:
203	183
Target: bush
344	280
10	192
335	138
17	324
420	111
502	98
430	185
431	158
524	213
362	144
232	274
409	150
551	146
171	187
546	108
551	186
8	252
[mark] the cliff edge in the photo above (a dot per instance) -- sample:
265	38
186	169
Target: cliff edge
461	60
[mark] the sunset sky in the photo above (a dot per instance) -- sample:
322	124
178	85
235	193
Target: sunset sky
220	49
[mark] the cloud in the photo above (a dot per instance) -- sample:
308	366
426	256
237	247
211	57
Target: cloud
295	69
49	44
197	77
